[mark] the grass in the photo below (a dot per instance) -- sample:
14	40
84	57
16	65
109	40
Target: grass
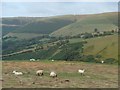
26	36
66	25
96	75
103	22
75	40
105	46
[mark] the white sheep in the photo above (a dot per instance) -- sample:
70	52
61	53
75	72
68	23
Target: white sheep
53	74
39	72
81	71
32	59
53	60
102	61
17	73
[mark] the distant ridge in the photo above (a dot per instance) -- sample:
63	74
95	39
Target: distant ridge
65	25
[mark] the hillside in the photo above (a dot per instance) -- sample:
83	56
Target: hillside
103	22
107	47
44	26
66	25
13	23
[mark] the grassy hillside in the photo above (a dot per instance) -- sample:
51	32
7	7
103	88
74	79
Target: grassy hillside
35	26
67	25
105	46
103	22
53	52
77	28
26	36
44	26
41	54
13	23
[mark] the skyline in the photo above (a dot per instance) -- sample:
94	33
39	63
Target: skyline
46	9
60	1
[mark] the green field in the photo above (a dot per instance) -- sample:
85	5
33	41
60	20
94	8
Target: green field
103	22
106	46
96	75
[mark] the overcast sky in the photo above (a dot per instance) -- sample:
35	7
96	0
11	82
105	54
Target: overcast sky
44	9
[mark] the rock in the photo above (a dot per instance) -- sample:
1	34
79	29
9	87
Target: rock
33	82
67	80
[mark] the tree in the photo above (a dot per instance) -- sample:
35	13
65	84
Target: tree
112	31
95	30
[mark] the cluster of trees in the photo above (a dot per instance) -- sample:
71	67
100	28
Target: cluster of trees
69	52
40	54
95	33
10	46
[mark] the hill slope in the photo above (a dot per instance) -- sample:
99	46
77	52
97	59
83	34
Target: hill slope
107	47
67	25
45	26
103	22
10	24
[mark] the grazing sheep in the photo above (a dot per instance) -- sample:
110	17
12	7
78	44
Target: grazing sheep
52	60
39	72
81	71
17	73
102	61
53	74
32	59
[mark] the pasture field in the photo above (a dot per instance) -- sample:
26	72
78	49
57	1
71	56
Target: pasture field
106	46
95	76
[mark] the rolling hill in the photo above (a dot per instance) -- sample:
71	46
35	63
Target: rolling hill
103	22
46	26
12	23
107	47
66	25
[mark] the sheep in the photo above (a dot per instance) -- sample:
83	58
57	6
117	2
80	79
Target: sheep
52	60
17	73
53	74
39	72
81	71
102	61
32	59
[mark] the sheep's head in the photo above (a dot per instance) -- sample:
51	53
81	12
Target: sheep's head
14	72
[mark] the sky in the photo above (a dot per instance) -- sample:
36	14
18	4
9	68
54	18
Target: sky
45	9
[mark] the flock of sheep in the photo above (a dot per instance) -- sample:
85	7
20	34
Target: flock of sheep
53	60
41	73
52	74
